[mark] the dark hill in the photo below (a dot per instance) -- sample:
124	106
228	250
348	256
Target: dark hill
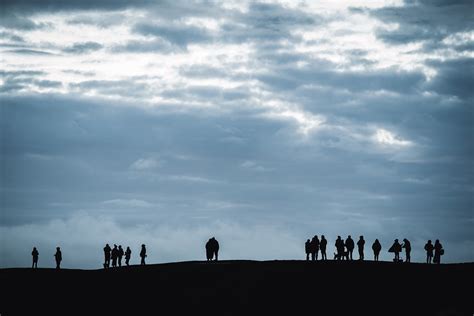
243	288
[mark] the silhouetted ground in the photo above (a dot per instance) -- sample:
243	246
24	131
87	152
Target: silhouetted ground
243	288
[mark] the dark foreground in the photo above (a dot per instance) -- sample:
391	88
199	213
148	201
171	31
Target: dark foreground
243	288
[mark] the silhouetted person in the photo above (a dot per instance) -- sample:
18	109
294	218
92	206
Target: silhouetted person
214	248
339	248
314	248
114	256
360	247
376	247
35	255
322	245
143	255
307	248
407	246
120	255
429	251
128	254
396	249
438	251
209	251
59	257
350	246
107	251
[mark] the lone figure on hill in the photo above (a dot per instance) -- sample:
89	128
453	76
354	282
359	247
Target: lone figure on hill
360	247
376	247
59	257
407	246
35	255
322	245
429	251
143	255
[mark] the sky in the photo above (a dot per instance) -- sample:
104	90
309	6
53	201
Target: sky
259	123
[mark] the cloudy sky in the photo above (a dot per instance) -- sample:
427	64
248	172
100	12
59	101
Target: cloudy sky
260	123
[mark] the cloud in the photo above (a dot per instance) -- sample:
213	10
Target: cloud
143	164
127	203
385	137
177	34
83	48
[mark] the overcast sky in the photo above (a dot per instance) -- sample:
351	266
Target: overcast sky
259	123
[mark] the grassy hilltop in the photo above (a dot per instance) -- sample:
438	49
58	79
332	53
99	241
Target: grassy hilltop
243	288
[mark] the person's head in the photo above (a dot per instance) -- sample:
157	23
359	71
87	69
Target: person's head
349	236
361	237
429	241
315	237
405	240
34	248
57	248
143	245
396	240
322	237
437	241
376	240
338	237
107	245
307	240
120	246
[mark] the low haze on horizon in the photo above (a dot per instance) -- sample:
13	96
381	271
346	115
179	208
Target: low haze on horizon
260	123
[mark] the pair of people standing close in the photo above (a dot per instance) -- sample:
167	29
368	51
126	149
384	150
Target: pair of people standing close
396	248
212	249
438	252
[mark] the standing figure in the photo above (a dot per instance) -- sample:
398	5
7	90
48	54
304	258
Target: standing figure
360	247
143	255
215	248
314	248
209	251
407	246
107	251
128	254
350	246
322	246
35	255
114	256
376	247
59	257
429	251
120	255
438	252
307	248
339	249
396	249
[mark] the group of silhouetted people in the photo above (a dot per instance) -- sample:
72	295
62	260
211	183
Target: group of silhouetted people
315	245
117	253
345	249
212	249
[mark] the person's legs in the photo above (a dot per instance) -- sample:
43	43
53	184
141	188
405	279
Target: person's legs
217	255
